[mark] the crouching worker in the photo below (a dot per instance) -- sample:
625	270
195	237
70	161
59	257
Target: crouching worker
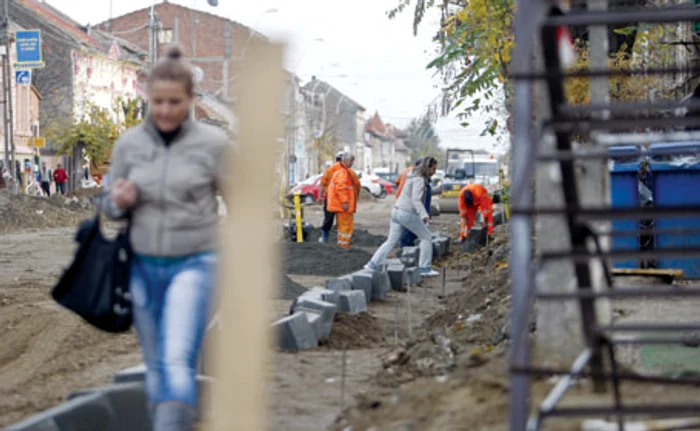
474	198
410	213
342	200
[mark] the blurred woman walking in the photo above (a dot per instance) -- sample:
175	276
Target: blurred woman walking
165	173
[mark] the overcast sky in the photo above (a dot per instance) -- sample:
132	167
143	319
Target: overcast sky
375	61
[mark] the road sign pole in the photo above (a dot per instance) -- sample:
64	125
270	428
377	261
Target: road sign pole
7	90
9	155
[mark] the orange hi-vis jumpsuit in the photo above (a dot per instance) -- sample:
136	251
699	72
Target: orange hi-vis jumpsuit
401	180
482	203
328	175
342	200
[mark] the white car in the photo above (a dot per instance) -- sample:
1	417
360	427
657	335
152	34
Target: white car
373	184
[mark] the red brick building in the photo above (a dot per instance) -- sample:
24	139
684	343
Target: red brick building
210	42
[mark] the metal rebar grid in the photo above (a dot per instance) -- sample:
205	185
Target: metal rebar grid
598	361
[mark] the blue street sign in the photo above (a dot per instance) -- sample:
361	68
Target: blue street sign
23	77
28	46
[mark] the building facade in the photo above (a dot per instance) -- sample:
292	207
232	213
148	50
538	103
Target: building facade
212	43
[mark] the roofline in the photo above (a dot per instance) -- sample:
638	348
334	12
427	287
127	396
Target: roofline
79	37
360	107
161	2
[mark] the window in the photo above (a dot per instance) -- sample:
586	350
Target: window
165	35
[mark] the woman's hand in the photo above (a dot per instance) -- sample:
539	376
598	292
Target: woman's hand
124	193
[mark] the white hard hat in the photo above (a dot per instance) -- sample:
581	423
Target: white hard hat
340	155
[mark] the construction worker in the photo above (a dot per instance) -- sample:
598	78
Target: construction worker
328	216
474	198
342	200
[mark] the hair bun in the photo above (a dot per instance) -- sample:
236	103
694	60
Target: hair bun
173	52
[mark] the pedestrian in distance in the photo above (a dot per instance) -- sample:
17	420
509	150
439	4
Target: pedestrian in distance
410	213
328	216
343	191
474	198
44	177
60	177
174	235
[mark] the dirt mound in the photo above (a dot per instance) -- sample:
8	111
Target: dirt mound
354	331
289	289
314	258
19	212
360	238
452	375
366	196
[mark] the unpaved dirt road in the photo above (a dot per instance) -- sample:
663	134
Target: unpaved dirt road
47	353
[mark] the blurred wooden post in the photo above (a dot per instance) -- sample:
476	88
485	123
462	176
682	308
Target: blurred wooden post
249	259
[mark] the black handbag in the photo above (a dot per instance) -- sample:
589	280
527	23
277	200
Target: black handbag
96	285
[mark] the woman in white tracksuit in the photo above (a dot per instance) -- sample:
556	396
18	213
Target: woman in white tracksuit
410	213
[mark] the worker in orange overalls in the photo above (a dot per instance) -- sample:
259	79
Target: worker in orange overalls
474	198
328	216
342	200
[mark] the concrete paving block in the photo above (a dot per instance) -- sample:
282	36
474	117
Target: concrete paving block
437	249
477	239
133	374
381	285
325	309
413	275
314	320
352	302
390	262
128	402
339	284
444	246
295	333
323	294
397	277
362	280
86	413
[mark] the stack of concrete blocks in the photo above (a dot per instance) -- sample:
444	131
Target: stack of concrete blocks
311	315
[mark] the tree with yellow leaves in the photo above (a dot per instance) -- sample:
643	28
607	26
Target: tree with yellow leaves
476	40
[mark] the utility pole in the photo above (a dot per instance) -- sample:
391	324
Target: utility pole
152	36
7	94
559	332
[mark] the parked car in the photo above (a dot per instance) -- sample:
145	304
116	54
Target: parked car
373	185
388	186
309	189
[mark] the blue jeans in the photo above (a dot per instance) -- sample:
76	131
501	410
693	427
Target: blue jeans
171	305
401	219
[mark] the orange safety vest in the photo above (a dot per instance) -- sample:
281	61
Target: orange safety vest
342	190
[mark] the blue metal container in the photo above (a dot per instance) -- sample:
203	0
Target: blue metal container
624	194
676	183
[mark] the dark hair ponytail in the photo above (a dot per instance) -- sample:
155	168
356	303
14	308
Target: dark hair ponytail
172	67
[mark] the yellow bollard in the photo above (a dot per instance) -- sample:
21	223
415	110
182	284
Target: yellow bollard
297	210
